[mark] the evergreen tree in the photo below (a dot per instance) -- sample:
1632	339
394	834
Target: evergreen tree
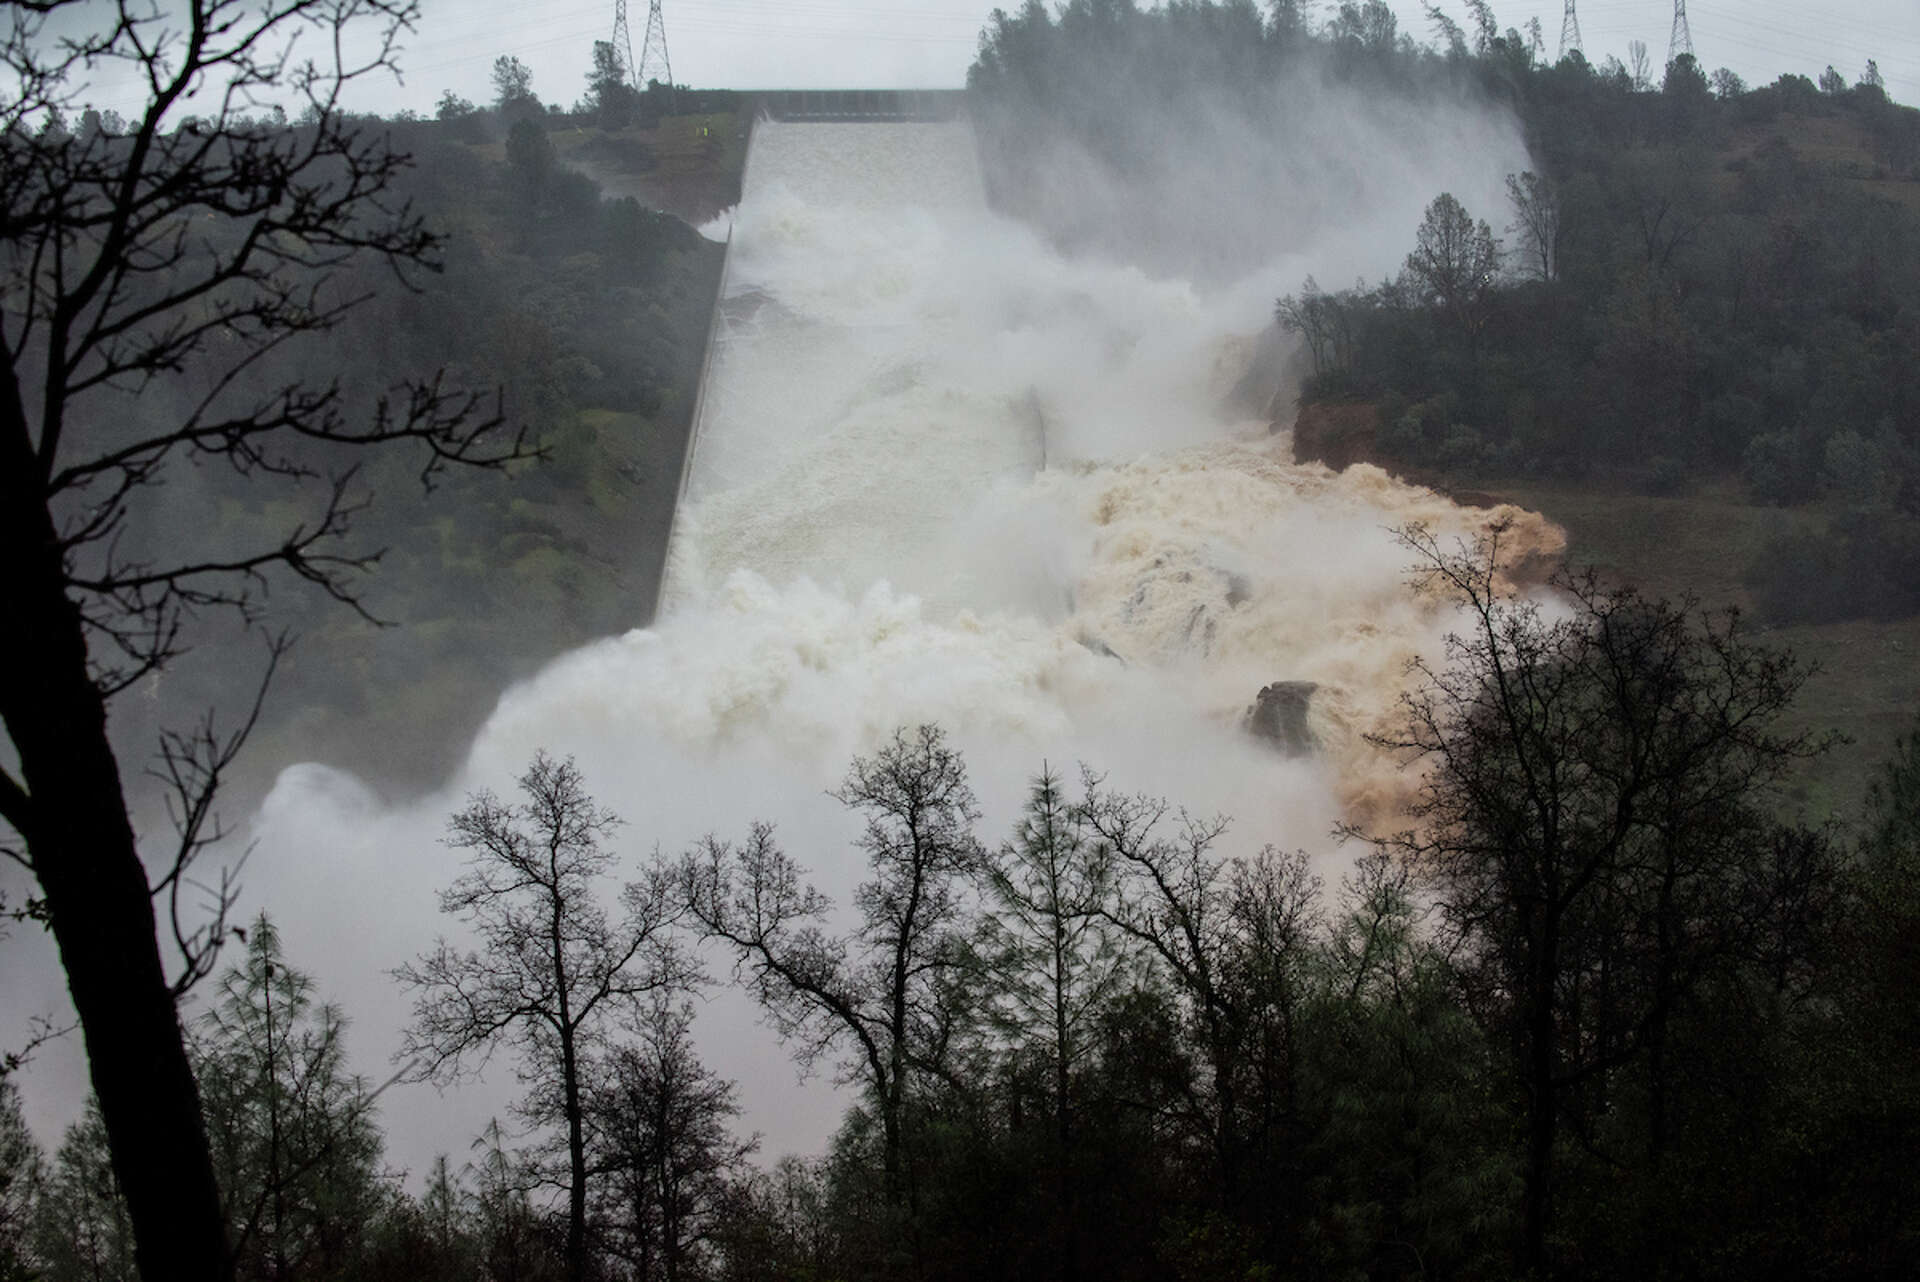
82	1232
22	1170
295	1145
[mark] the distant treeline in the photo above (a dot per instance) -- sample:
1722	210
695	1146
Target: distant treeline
1700	279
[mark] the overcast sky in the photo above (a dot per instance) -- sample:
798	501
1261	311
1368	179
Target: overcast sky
763	44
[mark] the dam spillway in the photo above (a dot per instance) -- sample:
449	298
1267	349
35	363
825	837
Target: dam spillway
1011	484
839	434
870	540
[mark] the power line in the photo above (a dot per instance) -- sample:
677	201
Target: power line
1570	32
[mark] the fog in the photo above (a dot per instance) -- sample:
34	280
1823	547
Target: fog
955	469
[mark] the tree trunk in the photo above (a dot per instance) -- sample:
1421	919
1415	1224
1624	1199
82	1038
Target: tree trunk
575	1110
98	900
576	1168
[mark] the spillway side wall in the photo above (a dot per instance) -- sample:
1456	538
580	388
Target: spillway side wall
695	420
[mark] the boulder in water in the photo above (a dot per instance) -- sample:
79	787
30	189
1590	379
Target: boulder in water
1279	716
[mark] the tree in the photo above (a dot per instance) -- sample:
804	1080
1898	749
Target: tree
21	1172
512	85
1051	958
82	1231
1053	963
294	1141
1455	262
452	107
670	1169
1593	783
1640	64
882	991
1452	39
1324	320
610	97
1369	26
530	162
1727	84
1228	937
1684	96
1537	218
1486	28
513	1239
552	975
155	275
1405	1130
1832	83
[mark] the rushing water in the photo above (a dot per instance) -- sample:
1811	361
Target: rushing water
943	474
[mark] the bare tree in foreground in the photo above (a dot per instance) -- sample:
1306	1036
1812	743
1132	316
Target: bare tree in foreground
879	991
152	274
672	1171
552	976
1592	815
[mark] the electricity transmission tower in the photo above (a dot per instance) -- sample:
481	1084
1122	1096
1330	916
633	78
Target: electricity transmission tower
654	63
623	37
1570	32
1681	41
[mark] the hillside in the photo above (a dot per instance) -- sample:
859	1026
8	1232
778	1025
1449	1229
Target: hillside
583	303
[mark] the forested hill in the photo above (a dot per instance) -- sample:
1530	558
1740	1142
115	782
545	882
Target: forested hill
1700	277
587	314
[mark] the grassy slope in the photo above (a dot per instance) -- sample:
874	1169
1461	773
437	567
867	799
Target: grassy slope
1834	144
1868	683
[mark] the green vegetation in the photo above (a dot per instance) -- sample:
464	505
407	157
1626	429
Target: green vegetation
589	313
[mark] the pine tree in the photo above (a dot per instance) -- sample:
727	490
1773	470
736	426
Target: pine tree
81	1230
22	1170
293	1135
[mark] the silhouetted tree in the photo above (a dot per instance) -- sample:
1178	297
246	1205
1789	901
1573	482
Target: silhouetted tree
82	1231
293	1134
513	86
1455	262
1052	964
669	1171
880	992
1050	954
609	94
1593	785
152	272
22	1168
552	975
451	106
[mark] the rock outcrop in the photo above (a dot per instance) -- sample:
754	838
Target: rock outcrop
1279	717
1337	433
